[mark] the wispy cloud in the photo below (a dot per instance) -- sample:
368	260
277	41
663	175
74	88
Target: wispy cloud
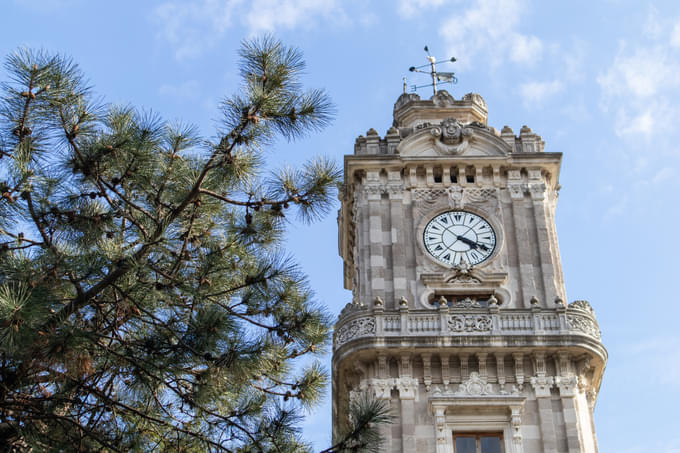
537	92
410	8
192	28
271	15
489	29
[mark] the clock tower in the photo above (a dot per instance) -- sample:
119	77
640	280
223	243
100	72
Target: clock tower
459	316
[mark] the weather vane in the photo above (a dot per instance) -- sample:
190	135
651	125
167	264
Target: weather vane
443	77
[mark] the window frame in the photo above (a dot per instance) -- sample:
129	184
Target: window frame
477	435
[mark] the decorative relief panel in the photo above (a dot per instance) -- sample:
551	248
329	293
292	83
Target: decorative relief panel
356	328
382	388
585	325
469	323
454	197
475	385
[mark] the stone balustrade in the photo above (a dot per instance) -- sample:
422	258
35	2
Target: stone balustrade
359	322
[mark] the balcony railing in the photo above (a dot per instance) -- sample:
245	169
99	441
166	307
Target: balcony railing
358	322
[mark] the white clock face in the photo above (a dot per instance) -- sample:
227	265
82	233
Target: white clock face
456	236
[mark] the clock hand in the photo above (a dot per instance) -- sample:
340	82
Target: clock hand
469	242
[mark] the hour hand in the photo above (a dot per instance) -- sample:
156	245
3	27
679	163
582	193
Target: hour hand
469	242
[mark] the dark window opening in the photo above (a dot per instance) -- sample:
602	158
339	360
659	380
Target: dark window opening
437	174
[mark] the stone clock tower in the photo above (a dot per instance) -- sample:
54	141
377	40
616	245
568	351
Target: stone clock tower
459	315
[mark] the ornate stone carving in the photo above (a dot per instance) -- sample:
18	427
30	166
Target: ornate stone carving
428	199
451	137
356	328
542	385
537	191
465	279
462	274
456	197
440	423
474	386
350	308
475	98
481	195
516	191
466	303
567	385
393	189
584	324
428	194
407	387
427	371
582	305
443	99
469	323
516	420
519	369
381	388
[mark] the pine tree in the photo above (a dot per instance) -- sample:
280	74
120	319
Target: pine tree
145	299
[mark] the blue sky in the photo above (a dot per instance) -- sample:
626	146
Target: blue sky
599	80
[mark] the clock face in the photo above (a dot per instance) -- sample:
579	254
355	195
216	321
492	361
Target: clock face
454	236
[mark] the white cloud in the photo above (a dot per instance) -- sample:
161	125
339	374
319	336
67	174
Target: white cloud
193	27
573	59
642	78
489	29
408	8
652	27
537	92
641	72
675	35
525	48
663	175
270	15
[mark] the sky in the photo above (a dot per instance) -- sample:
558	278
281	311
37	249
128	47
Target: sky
597	79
